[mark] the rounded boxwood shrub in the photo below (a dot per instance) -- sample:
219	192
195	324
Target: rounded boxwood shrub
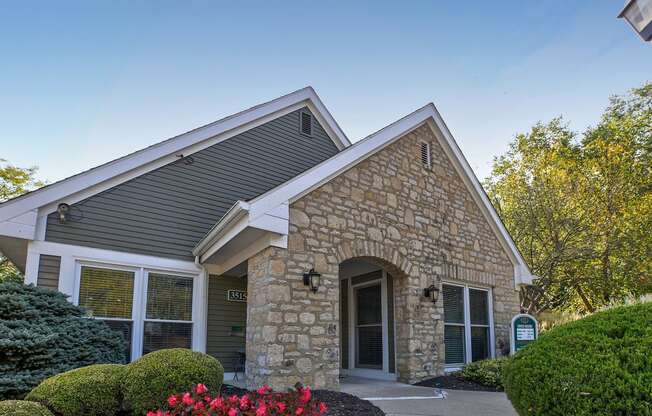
151	379
599	365
22	408
486	372
42	334
94	390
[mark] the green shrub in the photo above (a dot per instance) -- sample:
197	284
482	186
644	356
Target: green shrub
22	408
42	334
94	390
151	379
599	365
485	372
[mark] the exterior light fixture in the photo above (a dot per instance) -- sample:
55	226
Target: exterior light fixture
63	210
638	14
432	293
312	279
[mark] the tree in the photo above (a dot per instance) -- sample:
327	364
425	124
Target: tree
43	334
580	206
14	181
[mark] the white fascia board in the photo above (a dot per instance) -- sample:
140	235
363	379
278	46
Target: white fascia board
237	220
322	173
120	170
234	217
22	226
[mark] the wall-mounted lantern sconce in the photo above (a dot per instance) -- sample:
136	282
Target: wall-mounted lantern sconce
312	279
63	210
432	293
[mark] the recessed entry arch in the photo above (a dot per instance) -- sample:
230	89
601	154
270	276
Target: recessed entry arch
369	287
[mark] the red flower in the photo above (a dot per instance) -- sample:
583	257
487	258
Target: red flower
201	388
244	402
264	389
173	400
216	402
262	410
322	408
187	399
232	412
199	406
299	411
281	407
305	395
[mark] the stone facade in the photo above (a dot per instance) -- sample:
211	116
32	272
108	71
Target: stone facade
421	224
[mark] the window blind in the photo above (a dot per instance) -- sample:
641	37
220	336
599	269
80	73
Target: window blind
125	328
479	307
160	335
454	342
106	293
169	297
453	304
479	343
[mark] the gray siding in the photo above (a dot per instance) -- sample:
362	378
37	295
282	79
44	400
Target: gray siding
167	211
48	272
222	316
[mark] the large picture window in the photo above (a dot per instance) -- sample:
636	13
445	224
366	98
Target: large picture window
467	324
153	310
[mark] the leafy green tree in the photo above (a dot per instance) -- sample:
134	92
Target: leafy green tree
14	181
580	206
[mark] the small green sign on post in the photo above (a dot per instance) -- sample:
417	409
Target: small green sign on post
524	329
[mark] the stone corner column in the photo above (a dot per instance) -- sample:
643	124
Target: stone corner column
292	333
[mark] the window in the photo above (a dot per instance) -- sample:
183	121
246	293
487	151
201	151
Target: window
168	321
467	324
306	123
108	295
153	310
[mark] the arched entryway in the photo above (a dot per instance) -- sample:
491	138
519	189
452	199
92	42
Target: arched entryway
367	320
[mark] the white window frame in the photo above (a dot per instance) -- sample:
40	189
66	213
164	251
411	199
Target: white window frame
139	305
468	353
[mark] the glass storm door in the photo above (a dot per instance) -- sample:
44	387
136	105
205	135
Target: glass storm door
369	327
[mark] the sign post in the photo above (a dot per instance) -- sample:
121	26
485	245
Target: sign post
524	329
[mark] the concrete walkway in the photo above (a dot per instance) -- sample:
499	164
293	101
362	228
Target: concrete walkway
397	399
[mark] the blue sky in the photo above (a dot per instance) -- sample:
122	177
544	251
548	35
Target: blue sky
82	83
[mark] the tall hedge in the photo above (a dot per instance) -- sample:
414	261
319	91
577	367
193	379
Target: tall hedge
599	365
42	334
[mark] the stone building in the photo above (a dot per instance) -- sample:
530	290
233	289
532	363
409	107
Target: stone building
270	241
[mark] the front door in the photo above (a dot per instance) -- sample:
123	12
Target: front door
369	327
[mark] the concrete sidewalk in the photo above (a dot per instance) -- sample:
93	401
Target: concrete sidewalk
398	399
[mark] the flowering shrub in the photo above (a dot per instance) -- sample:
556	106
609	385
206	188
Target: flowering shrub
262	402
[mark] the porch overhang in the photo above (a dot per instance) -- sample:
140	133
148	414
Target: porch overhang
239	235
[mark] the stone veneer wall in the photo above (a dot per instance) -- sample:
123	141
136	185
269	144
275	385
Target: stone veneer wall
421	224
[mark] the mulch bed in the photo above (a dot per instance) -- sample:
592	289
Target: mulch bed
339	404
452	382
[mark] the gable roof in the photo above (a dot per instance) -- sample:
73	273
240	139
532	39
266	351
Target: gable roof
20	210
270	211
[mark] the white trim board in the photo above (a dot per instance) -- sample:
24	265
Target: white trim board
120	170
